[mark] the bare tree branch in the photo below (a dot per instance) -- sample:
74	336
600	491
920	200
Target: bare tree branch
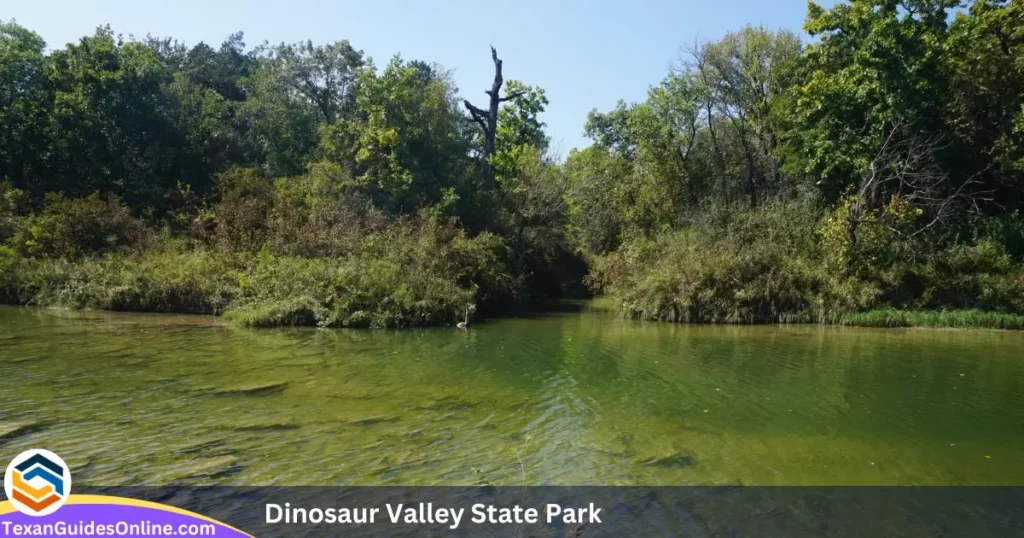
904	170
512	96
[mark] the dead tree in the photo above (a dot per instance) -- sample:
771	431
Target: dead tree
488	119
904	173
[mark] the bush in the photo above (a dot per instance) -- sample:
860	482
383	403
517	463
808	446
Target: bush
157	281
239	220
317	215
13	205
74	227
756	267
979	276
412	273
768	265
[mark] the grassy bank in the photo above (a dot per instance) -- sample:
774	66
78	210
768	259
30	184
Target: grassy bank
411	271
378	292
266	254
958	319
775	265
258	291
345	267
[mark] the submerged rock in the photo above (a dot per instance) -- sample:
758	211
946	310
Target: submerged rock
303	362
10	430
378	419
78	466
485	423
197	469
251	389
266	426
446	416
357	394
675	459
606	450
202	446
448	403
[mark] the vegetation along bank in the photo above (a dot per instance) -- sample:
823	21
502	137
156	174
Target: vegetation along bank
872	175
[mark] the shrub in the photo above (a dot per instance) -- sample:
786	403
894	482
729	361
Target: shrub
317	214
769	265
356	269
73	227
158	281
13	205
979	276
240	218
761	266
413	272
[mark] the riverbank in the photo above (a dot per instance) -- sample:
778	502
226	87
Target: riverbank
955	319
402	276
776	265
765	266
277	292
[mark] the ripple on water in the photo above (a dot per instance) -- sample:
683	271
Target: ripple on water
579	398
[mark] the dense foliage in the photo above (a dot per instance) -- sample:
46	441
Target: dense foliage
877	166
287	184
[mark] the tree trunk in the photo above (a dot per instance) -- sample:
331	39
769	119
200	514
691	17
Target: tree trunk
488	119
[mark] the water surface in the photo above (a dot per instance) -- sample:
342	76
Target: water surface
571	398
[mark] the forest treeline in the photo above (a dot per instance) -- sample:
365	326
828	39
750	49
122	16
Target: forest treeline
869	172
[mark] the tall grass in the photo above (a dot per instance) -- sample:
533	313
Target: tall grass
407	274
961	319
769	266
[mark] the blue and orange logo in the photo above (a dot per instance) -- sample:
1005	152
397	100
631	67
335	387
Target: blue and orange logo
37	482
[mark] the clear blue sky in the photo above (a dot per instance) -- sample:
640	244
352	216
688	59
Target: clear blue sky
585	53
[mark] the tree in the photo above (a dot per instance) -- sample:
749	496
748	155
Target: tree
596	181
519	122
533	192
983	59
519	132
875	62
208	97
25	103
488	119
325	75
741	76
901	194
404	144
111	127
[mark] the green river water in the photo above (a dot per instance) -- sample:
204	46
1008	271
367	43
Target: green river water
570	398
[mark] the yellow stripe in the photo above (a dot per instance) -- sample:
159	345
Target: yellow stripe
25	487
6	507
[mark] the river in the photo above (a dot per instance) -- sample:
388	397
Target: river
568	398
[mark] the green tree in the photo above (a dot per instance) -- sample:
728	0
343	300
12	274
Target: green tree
208	95
25	103
595	197
874	64
983	59
519	120
741	76
406	144
294	90
111	128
